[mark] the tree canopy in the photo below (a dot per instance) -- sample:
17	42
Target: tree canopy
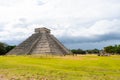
112	49
4	48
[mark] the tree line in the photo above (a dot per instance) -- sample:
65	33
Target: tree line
81	51
115	49
4	48
112	49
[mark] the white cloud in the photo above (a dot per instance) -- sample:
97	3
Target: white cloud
105	27
97	29
73	18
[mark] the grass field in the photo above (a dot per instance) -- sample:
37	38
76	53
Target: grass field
87	67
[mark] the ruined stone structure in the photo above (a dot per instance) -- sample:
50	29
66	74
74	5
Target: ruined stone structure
41	42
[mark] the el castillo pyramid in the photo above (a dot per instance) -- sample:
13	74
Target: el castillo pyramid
41	42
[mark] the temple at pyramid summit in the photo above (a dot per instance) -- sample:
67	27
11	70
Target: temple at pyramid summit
41	42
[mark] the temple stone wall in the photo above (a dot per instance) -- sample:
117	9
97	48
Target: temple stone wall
41	42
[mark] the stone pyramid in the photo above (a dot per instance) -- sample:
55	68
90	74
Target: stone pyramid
41	42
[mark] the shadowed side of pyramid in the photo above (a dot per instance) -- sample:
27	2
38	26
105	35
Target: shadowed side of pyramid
41	42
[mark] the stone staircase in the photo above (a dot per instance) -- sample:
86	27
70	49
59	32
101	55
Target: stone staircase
41	42
25	46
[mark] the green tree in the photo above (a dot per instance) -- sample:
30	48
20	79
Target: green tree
78	51
93	51
2	48
110	49
9	47
74	51
117	49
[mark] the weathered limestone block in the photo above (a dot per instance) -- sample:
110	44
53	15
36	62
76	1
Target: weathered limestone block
41	42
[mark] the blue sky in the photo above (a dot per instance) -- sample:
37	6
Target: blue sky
84	24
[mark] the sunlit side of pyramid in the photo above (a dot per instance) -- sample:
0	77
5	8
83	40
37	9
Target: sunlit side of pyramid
41	42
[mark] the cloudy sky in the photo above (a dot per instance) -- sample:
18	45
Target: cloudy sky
84	24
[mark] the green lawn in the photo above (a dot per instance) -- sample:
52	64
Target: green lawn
88	67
